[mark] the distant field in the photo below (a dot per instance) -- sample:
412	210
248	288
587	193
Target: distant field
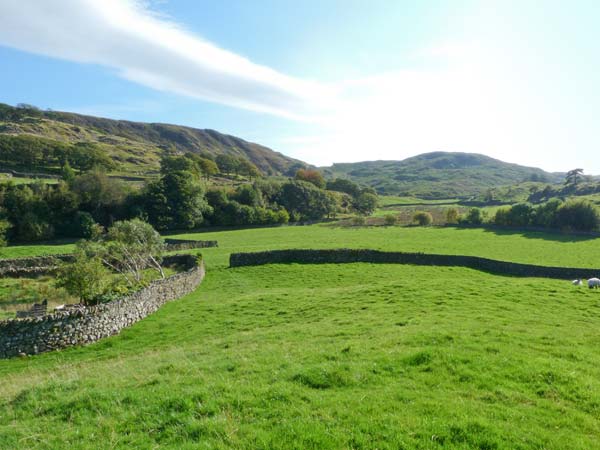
21	251
389	200
527	247
350	356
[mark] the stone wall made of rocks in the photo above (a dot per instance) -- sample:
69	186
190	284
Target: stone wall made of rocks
80	325
374	256
41	265
186	244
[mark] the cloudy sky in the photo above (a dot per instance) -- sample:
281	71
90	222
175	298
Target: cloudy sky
324	80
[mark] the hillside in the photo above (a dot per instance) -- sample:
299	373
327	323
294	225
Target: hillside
439	174
136	147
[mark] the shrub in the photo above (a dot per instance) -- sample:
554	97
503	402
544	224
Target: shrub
452	216
577	215
545	215
473	217
423	218
501	217
520	215
85	278
358	221
390	219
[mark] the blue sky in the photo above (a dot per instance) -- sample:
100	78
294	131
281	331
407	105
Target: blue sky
324	81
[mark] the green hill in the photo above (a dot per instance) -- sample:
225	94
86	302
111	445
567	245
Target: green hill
439	174
136	147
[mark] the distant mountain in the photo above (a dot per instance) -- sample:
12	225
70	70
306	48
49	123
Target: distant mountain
137	146
439	174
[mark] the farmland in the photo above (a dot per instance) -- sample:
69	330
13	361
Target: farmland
337	356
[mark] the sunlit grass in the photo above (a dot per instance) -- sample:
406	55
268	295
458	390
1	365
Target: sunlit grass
326	356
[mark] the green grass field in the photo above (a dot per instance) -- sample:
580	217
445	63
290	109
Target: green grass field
334	356
354	356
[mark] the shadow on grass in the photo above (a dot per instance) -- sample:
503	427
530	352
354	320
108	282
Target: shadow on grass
555	236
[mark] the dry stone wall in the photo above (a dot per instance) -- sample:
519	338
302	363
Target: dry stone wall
79	325
375	256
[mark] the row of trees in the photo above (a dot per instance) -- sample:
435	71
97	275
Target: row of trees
178	199
30	152
577	215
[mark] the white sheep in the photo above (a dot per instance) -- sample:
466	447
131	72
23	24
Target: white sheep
576	282
593	283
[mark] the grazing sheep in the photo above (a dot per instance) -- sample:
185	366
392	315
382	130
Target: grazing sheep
576	282
593	283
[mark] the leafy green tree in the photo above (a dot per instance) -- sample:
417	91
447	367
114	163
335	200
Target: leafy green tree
246	168
390	219
573	177
208	167
344	185
578	215
452	216
67	173
99	195
227	163
545	215
4	227
473	217
128	248
170	164
365	203
423	218
304	200
86	277
247	194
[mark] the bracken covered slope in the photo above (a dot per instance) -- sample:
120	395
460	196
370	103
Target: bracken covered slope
137	146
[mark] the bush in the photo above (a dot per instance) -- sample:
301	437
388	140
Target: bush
390	219
452	216
577	215
423	218
85	278
473	217
359	221
520	215
545	215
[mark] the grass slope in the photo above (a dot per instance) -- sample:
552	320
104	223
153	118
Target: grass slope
549	249
350	356
439	174
137	146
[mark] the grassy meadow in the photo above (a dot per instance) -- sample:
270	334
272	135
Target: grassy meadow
333	356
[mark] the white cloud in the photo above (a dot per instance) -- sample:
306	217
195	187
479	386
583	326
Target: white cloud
464	97
145	48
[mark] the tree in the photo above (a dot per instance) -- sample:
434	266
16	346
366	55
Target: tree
208	167
304	200
248	169
577	215
170	164
390	219
344	185
365	203
226	163
452	216
175	201
573	177
128	248
423	218
4	226
545	214
86	277
474	217
311	176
